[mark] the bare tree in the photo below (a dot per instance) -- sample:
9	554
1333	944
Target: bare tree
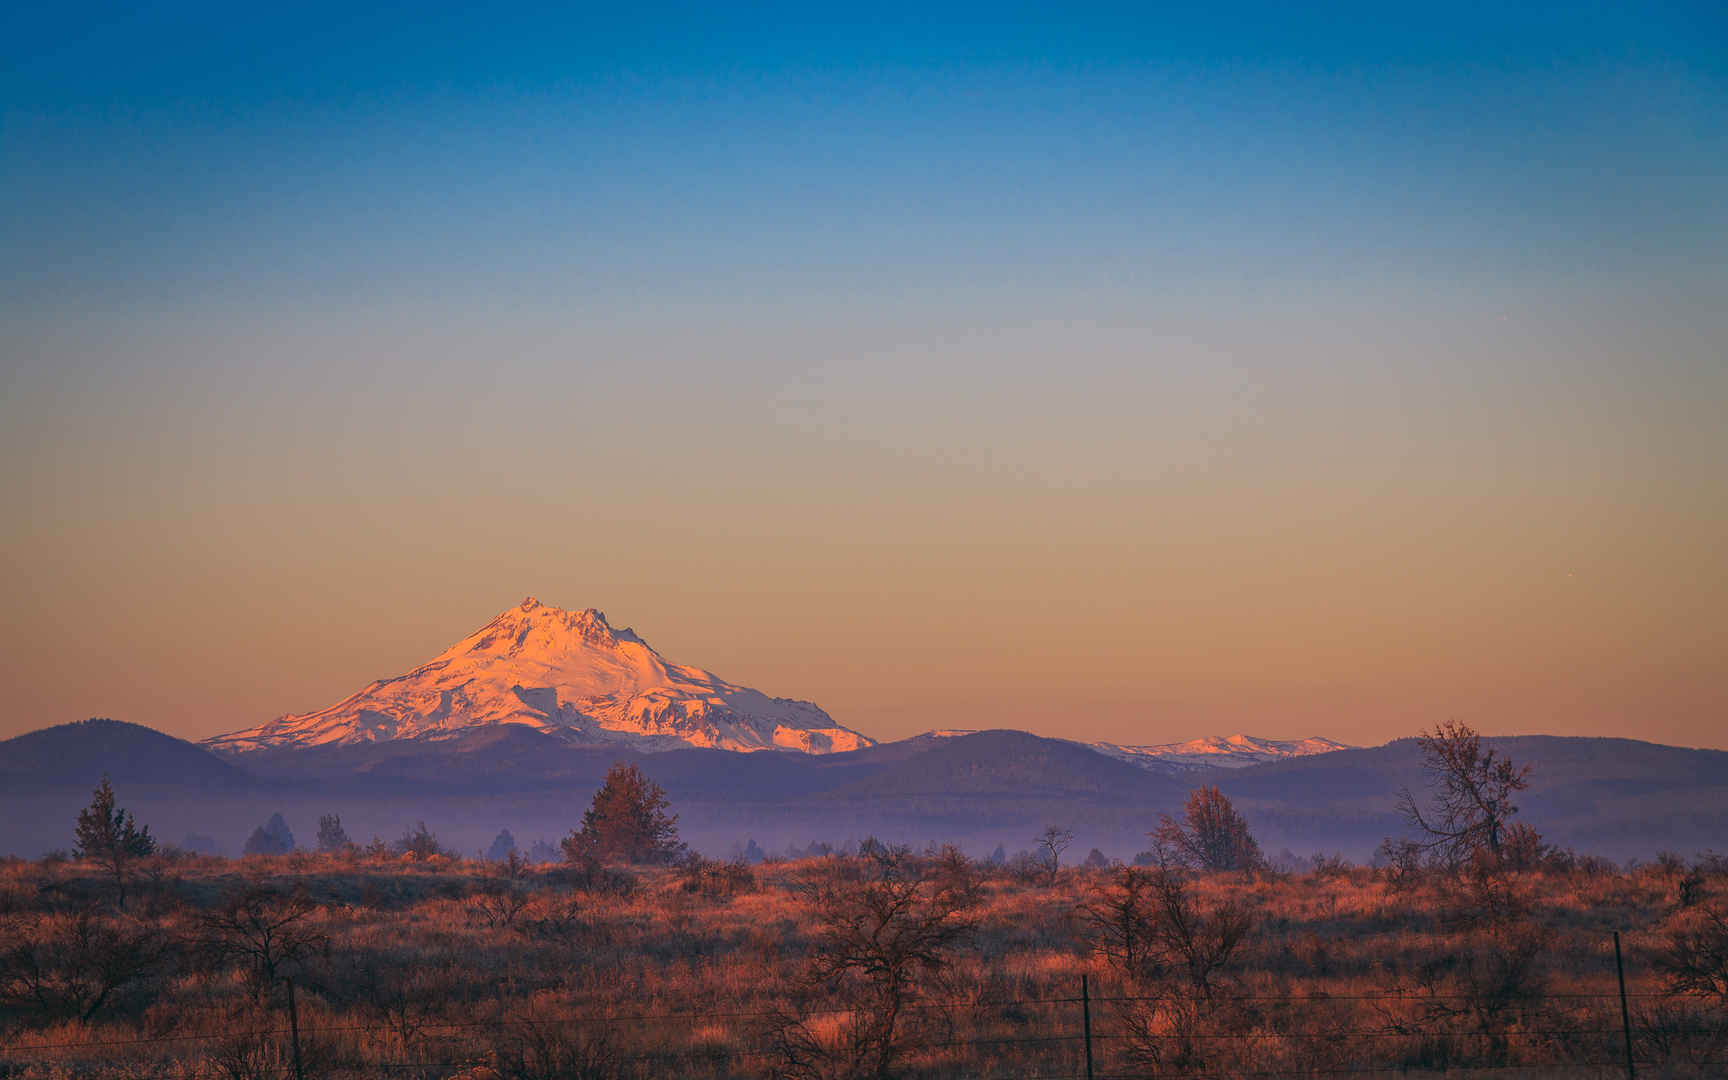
1695	957
503	893
1120	917
70	967
1400	863
1473	793
1213	836
265	929
396	992
557	1052
1175	951
1053	841
1189	939
881	942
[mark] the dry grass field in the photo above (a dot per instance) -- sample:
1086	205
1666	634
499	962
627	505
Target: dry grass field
884	964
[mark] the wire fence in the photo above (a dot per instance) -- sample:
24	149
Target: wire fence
1083	1036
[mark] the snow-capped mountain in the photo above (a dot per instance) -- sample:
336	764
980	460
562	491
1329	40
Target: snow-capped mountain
566	673
1219	751
1214	751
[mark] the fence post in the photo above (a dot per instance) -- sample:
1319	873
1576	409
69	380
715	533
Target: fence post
1625	1017
294	1029
1086	1020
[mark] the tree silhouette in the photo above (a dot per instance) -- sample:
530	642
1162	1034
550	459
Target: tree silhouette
503	846
1054	840
271	838
1473	790
888	930
107	835
1213	836
627	822
331	835
269	930
419	841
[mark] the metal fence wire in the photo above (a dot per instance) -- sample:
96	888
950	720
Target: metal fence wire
1085	1036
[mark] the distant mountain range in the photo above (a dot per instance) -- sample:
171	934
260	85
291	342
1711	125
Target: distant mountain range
568	674
514	726
1615	797
1212	752
572	675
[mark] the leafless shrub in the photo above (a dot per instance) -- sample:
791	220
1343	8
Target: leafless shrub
1521	848
1172	949
1326	867
1689	888
952	871
588	874
1191	940
497	903
71	967
1694	956
716	880
1163	1032
1710	864
1400	864
556	1052
1483	896
251	1053
1681	1033
1490	985
398	994
1596	867
879	945
1120	917
1027	869
266	930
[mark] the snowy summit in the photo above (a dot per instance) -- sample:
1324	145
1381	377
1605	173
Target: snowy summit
1210	752
566	673
1220	751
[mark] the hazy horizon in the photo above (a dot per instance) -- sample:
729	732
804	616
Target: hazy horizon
1107	374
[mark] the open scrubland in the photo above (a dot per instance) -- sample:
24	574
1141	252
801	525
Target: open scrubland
885	963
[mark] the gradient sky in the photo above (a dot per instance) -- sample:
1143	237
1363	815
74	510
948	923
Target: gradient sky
1121	373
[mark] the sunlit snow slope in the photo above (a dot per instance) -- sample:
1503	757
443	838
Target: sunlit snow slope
1221	751
567	673
1213	751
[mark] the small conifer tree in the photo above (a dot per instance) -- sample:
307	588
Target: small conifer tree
627	822
331	835
107	835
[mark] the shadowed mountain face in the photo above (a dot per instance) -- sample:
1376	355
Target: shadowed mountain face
570	674
78	754
1605	796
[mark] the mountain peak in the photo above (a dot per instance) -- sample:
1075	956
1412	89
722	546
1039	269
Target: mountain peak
1220	751
566	673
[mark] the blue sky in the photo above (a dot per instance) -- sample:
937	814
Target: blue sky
1305	368
203	150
